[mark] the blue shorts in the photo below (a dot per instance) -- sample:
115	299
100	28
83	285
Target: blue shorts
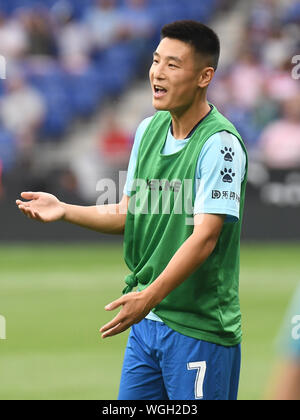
162	364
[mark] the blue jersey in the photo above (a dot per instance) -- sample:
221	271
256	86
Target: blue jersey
217	190
153	367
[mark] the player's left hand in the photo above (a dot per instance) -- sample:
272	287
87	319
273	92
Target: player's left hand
135	306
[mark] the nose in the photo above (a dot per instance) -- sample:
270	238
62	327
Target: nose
157	72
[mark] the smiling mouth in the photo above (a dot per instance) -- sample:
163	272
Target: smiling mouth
159	91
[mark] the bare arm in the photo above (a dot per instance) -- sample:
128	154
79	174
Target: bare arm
107	218
193	252
47	208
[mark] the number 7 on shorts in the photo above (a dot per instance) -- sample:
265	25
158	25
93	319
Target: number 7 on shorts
201	369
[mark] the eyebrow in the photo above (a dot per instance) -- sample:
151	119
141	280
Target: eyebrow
169	57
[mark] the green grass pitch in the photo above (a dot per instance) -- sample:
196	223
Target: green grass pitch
53	298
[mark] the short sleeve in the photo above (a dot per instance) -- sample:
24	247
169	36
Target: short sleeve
219	174
288	340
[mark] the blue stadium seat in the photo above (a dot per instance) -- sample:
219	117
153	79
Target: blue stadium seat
68	95
59	114
117	66
84	90
50	82
292	13
168	10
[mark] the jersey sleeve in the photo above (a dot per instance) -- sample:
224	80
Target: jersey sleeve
134	155
220	171
287	343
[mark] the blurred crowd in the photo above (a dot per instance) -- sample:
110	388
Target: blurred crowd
260	91
64	58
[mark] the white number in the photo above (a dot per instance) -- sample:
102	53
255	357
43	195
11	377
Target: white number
201	369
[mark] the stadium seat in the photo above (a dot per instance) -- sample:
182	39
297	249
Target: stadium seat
292	13
117	66
67	94
84	90
59	114
48	79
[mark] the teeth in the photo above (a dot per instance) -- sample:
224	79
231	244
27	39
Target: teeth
159	89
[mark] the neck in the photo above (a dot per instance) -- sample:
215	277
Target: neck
183	121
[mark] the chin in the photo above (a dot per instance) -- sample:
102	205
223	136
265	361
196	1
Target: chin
160	106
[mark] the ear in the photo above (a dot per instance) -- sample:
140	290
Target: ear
205	77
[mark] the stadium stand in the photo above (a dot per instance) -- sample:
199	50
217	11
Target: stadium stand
80	55
42	41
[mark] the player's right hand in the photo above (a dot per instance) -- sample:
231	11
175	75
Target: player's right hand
41	206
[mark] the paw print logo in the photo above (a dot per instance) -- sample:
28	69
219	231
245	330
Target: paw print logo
228	154
227	175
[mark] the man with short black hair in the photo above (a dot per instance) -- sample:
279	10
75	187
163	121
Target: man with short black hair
188	163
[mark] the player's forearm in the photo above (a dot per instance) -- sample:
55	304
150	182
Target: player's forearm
108	218
191	255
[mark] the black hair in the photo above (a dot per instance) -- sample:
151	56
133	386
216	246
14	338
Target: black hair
204	40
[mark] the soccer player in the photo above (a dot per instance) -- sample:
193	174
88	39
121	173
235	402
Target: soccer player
185	319
284	382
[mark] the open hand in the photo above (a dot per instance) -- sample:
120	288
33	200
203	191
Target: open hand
135	306
41	206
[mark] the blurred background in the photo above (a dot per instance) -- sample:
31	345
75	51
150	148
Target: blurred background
75	90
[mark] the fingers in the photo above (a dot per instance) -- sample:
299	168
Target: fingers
114	305
131	313
29	212
115	326
26	210
119	323
24	206
116	330
29	195
115	321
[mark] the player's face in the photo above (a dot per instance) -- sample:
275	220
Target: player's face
174	75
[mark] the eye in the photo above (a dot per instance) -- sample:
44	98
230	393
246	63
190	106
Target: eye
173	66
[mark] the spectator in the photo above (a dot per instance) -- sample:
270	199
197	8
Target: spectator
137	25
39	33
73	37
13	38
263	16
135	19
279	84
22	110
279	144
284	383
103	20
114	144
278	46
246	80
